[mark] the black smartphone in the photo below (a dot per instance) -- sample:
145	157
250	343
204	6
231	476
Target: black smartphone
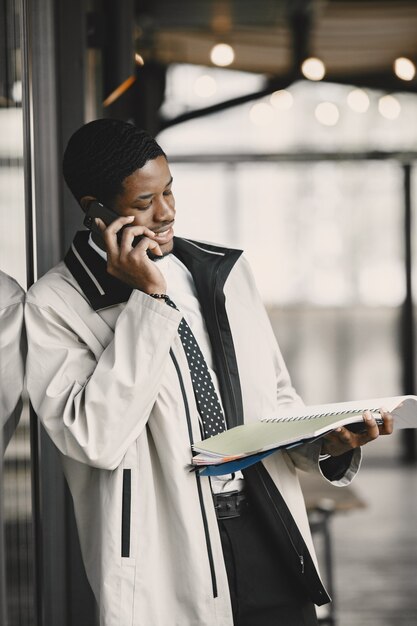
97	209
359	428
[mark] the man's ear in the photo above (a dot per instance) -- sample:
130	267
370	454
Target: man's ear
86	201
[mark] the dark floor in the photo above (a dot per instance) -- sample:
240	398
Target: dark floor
375	548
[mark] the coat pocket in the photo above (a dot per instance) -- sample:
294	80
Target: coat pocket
126	512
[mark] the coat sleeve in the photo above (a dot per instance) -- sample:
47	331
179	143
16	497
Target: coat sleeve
11	363
95	407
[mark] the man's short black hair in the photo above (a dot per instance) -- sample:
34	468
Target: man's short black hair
101	154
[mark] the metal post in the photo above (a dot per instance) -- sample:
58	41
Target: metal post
409	442
55	35
3	604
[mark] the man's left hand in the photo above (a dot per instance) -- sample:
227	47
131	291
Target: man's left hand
342	440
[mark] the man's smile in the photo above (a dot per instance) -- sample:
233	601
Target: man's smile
165	234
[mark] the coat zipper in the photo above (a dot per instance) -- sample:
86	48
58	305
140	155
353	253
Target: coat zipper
300	556
198	479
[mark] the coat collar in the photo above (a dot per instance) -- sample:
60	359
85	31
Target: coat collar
103	290
90	271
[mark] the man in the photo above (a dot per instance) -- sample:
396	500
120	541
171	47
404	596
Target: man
124	386
11	355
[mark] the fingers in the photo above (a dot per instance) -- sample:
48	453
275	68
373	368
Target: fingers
110	234
354	440
372	430
342	439
128	236
388	426
147	244
122	246
99	222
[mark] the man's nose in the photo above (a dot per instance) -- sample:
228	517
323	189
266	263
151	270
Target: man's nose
165	209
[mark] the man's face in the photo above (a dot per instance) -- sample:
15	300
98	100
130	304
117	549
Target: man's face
148	196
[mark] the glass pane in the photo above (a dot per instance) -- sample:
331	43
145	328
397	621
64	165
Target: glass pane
325	242
312	116
16	511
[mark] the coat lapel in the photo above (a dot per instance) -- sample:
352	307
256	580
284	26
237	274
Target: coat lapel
210	267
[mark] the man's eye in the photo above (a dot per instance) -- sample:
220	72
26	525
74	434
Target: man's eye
168	192
142	207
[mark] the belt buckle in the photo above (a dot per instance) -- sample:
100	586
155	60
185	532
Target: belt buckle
228	504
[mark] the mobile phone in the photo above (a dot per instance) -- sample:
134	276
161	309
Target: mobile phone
359	428
98	209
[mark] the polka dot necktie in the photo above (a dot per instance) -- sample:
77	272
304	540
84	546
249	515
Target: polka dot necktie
212	419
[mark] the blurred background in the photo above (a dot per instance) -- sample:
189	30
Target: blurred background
291	132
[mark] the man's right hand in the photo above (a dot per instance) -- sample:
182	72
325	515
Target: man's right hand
132	265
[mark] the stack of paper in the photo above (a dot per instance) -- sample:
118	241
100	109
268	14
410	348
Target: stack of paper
244	445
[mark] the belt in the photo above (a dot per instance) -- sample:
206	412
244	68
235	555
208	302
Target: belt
230	504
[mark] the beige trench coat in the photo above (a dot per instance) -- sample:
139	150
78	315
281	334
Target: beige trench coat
110	383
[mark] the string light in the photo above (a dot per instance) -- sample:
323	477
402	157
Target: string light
282	100
261	114
222	54
389	107
358	100
327	113
404	68
313	68
205	86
